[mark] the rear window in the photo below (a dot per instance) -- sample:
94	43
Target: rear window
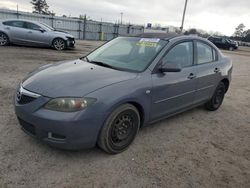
204	53
14	23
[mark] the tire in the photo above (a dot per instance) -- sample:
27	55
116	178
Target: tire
59	44
215	102
120	129
231	48
4	39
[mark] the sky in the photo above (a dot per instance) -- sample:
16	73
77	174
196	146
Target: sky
210	15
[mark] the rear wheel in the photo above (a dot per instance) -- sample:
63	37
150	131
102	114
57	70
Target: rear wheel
4	39
120	129
59	44
215	102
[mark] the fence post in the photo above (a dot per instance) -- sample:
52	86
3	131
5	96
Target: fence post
52	21
101	34
128	31
17	14
79	28
142	29
117	30
114	30
84	28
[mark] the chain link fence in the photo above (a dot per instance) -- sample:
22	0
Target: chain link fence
80	28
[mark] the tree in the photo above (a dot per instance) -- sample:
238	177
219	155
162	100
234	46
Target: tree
239	31
192	31
41	7
246	36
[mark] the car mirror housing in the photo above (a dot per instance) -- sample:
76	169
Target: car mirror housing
170	68
42	30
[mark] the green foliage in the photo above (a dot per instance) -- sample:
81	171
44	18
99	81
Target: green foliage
41	7
241	34
239	31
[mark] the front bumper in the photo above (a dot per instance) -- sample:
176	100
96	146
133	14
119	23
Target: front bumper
72	131
71	42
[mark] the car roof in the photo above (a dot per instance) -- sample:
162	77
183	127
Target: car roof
166	36
158	35
23	20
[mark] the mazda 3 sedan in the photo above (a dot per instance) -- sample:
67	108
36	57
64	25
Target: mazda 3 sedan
105	97
31	33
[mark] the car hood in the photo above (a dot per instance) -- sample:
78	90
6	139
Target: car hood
72	79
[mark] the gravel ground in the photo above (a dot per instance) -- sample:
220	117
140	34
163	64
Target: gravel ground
194	149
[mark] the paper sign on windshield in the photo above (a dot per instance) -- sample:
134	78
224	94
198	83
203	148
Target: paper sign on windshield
148	42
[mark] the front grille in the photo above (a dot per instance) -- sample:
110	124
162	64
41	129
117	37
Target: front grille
27	126
25	99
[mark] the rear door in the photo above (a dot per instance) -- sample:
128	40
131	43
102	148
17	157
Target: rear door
174	91
16	31
208	71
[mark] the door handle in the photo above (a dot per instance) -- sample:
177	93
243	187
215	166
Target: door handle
217	70
191	76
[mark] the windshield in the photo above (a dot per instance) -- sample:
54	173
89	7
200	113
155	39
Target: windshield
128	53
50	28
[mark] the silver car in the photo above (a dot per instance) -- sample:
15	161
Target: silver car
33	33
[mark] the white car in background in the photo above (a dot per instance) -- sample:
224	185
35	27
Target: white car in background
26	32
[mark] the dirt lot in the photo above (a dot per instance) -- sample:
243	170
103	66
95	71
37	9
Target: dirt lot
194	149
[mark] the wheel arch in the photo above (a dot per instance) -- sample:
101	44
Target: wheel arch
225	81
57	38
136	104
140	110
5	34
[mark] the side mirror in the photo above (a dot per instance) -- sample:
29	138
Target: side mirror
170	67
42	30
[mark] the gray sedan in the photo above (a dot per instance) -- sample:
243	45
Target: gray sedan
104	98
33	33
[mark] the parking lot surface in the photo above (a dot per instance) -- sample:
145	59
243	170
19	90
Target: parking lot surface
194	149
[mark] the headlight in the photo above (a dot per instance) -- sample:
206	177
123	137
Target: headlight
69	104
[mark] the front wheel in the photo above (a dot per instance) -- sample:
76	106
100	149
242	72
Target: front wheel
120	129
215	102
4	39
59	44
231	48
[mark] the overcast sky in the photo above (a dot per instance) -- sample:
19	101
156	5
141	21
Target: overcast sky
210	15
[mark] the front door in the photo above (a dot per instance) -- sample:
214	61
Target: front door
174	91
35	36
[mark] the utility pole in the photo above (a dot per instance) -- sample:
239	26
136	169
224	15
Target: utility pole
17	11
121	17
183	17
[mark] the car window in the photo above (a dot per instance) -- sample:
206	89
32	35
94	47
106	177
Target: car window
15	23
32	26
204	53
181	54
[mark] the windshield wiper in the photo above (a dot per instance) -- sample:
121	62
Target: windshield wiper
85	58
103	64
